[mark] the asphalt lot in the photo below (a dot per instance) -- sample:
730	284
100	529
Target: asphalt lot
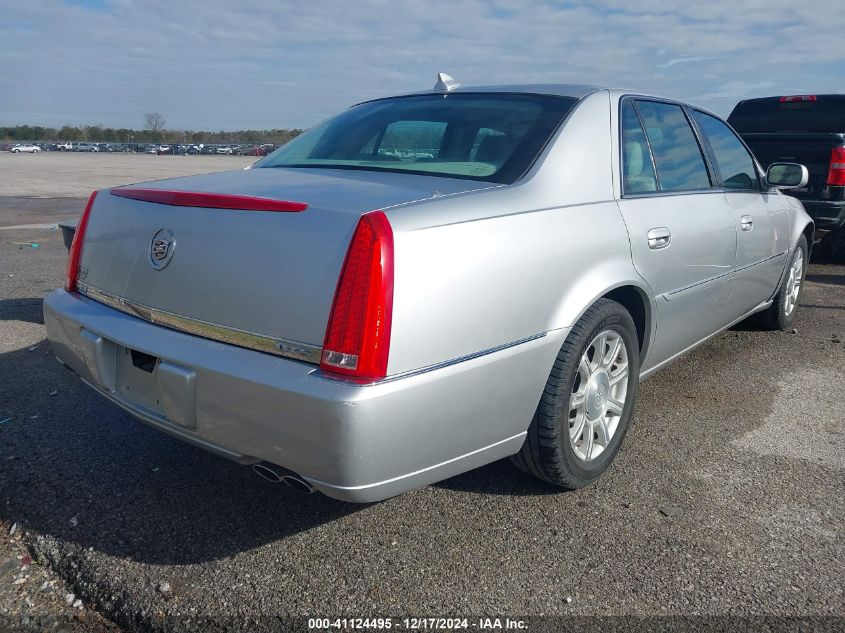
63	174
726	500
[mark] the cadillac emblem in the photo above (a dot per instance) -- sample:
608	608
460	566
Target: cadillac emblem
161	248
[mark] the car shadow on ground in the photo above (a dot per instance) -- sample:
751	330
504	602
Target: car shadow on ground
77	468
499	478
28	309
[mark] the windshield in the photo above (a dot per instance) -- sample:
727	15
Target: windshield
489	137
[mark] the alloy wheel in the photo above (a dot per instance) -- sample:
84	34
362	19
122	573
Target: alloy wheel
598	395
793	282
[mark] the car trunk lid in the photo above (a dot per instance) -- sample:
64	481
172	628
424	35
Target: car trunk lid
261	279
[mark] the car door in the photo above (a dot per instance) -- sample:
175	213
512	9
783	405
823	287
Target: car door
761	216
681	228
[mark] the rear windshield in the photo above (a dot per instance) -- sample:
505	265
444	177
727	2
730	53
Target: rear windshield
489	137
825	114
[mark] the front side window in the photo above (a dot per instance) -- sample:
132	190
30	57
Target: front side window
677	155
735	164
493	137
637	169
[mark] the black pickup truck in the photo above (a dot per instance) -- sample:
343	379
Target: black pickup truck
806	129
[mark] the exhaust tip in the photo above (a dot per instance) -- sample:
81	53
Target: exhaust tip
278	475
268	472
298	484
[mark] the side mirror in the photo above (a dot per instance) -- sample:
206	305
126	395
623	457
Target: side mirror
787	175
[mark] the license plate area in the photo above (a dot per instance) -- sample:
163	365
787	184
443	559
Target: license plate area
157	385
136	379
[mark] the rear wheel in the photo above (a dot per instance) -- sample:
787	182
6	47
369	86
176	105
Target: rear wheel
588	401
781	314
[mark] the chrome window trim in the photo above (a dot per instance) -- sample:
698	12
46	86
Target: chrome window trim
665	194
285	348
714	186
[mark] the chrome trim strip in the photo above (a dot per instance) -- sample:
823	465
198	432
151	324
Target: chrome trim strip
276	346
668	295
761	261
428	368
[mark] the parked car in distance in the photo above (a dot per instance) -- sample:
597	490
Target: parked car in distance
807	129
65	146
254	150
25	148
535	252
86	147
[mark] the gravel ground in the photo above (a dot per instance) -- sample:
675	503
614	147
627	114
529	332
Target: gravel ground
34	598
725	501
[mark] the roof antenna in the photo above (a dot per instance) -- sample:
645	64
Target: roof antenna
445	83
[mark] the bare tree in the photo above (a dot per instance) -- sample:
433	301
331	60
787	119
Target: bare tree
154	122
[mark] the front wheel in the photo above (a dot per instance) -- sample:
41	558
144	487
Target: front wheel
781	314
588	401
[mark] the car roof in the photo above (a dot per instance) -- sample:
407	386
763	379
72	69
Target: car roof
576	91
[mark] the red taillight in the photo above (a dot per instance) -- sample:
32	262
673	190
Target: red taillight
209	200
794	98
836	172
358	335
75	254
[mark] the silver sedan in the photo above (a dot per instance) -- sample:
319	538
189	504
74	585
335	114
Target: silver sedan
430	282
26	148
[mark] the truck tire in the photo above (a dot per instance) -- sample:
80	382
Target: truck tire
588	401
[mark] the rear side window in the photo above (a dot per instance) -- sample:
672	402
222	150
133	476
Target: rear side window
735	164
816	114
677	155
637	170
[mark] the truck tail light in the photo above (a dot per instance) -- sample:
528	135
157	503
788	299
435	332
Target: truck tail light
75	254
358	334
836	172
794	98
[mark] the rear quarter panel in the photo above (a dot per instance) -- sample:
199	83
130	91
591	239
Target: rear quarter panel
480	270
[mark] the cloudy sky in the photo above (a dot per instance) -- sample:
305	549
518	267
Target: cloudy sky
226	65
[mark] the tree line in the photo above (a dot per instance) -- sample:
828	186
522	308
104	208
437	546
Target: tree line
100	134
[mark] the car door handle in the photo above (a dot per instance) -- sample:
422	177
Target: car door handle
747	222
659	237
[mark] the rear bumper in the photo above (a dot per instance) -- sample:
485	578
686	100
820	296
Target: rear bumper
353	442
826	215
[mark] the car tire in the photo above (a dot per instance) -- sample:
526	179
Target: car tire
554	450
781	314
